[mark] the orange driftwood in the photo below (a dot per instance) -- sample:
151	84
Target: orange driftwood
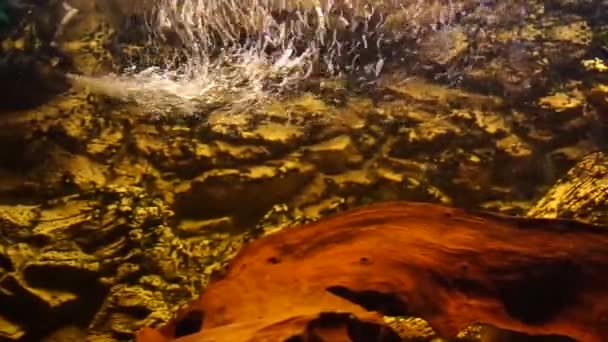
446	265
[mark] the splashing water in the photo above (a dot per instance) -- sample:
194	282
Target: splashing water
242	52
227	60
189	89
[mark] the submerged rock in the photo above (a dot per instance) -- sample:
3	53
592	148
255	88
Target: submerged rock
581	194
27	82
244	194
143	209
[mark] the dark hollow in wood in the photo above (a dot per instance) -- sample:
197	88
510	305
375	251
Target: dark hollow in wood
449	266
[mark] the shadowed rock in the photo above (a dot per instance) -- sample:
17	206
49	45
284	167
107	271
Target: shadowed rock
26	81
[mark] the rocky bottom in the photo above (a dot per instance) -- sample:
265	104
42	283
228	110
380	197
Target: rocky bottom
111	222
111	219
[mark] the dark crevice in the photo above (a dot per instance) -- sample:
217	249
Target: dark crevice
6	264
531	301
190	324
387	304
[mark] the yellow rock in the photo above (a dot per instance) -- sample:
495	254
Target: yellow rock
10	331
560	102
595	64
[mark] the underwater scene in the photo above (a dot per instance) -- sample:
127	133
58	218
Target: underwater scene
303	170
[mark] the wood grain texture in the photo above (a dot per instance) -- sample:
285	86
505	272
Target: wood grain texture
449	266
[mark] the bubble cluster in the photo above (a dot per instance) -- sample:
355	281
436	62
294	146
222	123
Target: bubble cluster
241	52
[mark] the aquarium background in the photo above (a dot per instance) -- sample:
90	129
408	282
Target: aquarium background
143	143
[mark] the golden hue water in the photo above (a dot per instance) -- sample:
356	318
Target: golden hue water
142	169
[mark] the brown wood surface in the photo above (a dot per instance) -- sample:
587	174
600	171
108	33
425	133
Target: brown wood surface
449	266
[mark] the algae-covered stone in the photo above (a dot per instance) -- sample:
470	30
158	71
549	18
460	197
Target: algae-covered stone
18	254
15	292
438	97
432	135
411	328
10	331
120	232
398	183
571	103
514	146
275	133
194	227
443	46
598	96
69	333
335	155
523	55
575	30
71	270
124	299
16	222
248	192
582	194
54	220
172	152
238	152
85	40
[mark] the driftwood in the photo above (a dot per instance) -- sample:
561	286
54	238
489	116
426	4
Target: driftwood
449	266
